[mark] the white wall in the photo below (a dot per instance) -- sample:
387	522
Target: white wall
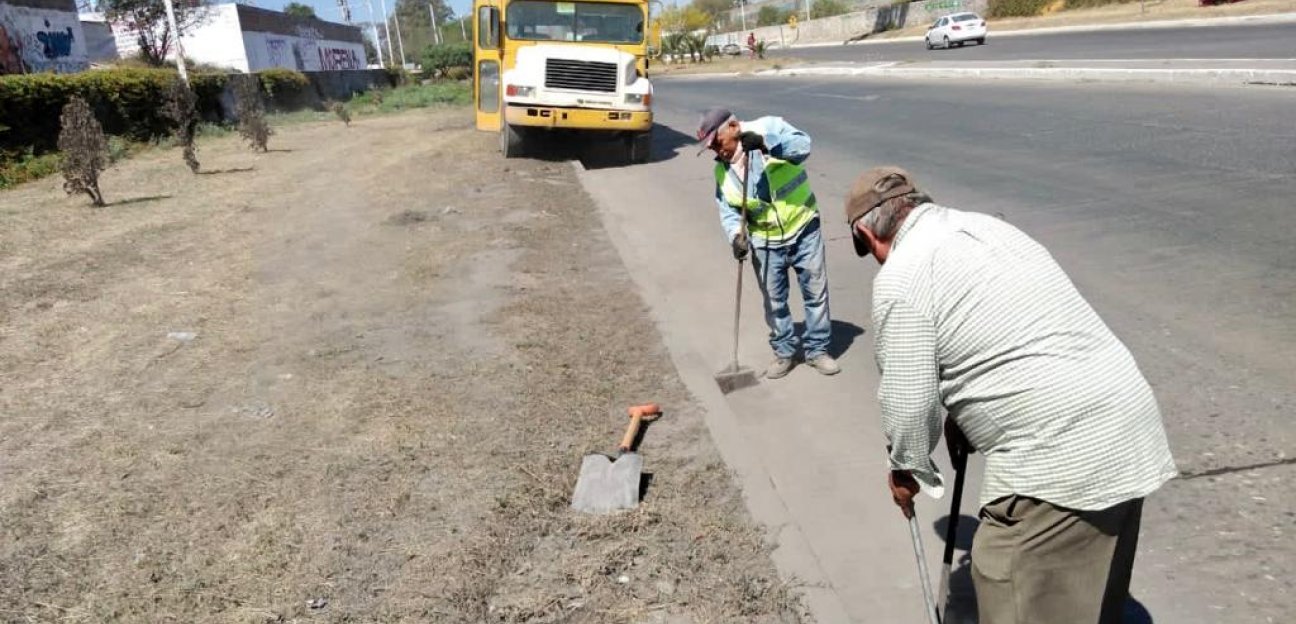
217	39
40	40
304	52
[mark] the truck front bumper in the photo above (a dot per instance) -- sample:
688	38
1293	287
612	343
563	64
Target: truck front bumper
577	118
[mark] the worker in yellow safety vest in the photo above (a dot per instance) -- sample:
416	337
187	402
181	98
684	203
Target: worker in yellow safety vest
782	231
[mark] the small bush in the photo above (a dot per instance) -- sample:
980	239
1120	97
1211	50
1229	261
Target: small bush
85	150
287	89
251	113
181	107
441	57
1017	8
342	113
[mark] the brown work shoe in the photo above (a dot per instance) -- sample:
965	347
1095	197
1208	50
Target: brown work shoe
825	364
779	367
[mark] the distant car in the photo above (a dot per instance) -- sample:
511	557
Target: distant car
731	49
956	29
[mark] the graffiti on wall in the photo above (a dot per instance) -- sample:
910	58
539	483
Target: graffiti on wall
40	40
942	5
266	50
332	59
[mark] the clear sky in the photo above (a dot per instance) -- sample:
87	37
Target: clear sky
328	9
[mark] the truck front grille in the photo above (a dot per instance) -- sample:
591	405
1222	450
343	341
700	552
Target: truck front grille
580	75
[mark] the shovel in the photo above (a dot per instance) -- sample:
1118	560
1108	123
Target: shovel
606	484
735	376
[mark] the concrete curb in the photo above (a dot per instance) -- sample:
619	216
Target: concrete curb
1202	22
1102	74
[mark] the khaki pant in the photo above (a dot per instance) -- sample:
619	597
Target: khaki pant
1035	563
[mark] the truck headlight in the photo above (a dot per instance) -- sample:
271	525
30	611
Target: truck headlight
519	91
637	98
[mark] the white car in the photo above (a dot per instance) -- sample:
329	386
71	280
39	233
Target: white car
958	28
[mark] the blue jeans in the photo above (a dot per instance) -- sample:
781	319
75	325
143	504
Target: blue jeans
806	257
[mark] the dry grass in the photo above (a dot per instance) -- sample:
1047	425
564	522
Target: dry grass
380	417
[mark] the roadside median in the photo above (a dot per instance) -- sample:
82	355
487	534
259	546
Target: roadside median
1228	71
1218	72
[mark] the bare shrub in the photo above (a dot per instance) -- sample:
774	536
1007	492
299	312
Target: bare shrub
181	107
251	113
84	148
340	110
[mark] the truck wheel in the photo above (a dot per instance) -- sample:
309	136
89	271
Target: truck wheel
639	147
512	141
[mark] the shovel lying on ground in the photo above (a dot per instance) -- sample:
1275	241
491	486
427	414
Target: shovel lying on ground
606	484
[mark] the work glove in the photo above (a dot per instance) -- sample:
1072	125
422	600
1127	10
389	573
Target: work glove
740	246
753	142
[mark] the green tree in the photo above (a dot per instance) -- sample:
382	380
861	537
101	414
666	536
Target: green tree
297	9
717	9
148	21
416	24
770	16
828	8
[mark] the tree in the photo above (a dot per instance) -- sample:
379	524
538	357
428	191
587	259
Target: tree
717	9
251	112
770	16
828	8
416	23
297	9
84	149
181	107
148	20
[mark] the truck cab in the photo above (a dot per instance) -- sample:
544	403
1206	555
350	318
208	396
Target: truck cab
541	66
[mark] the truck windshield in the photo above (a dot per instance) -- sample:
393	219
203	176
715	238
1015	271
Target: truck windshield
597	22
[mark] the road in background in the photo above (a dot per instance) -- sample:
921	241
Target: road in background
1171	209
1267	41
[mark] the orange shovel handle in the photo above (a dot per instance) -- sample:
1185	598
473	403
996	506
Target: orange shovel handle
638	414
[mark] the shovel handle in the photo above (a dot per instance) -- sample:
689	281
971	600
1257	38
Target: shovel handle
637	415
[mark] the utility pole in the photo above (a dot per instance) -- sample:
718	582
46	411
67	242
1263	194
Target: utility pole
179	48
742	10
462	31
436	30
391	54
374	26
807	10
399	40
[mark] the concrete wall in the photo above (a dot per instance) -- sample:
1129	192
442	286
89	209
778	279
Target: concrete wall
101	44
852	25
249	39
41	36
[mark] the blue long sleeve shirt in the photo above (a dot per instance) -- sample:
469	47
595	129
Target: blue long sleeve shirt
784	142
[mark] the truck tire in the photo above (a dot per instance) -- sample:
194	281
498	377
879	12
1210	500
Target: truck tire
639	147
512	141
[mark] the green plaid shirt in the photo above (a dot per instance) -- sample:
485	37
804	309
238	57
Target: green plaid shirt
971	314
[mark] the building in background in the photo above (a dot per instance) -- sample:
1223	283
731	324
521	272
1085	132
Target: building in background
101	45
41	36
248	39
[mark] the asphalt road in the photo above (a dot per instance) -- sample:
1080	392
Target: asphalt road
1171	209
1272	41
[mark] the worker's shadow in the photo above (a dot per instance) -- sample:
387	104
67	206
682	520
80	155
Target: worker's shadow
962	608
843	336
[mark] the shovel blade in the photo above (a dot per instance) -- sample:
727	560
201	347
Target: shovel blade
605	485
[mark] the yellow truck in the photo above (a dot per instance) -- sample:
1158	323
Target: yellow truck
542	66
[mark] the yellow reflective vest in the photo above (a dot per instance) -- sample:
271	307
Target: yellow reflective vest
791	204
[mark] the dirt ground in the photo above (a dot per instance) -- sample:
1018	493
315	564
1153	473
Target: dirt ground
349	380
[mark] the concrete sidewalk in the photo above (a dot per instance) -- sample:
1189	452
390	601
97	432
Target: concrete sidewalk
1213	71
